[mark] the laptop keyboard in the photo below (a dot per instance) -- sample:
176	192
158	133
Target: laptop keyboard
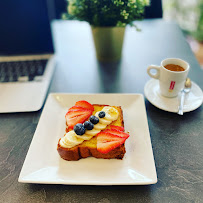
22	71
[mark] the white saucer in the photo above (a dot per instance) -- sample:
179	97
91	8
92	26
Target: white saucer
193	99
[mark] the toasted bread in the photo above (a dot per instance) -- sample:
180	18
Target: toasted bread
89	147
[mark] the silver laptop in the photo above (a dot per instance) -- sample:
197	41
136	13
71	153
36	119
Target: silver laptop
26	55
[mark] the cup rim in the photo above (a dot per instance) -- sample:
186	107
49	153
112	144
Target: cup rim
177	72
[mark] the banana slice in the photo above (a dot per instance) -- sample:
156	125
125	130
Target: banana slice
99	126
92	132
70	140
85	136
111	113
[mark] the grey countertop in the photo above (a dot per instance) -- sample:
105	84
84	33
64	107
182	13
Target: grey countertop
177	140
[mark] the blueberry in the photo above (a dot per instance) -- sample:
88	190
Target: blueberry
88	125
94	119
102	114
79	129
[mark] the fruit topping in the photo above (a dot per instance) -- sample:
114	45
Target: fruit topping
101	114
94	119
107	142
88	125
77	108
117	132
77	116
79	129
84	104
117	127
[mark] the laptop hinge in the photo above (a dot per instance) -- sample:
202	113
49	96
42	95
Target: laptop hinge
25	57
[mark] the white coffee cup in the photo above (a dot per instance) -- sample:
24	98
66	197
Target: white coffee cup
170	82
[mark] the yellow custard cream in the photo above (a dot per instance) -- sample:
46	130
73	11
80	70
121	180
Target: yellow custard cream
71	139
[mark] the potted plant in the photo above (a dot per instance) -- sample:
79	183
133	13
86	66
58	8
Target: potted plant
108	19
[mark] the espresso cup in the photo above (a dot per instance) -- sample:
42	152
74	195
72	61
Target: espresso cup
170	81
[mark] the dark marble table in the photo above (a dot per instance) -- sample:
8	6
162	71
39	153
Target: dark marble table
177	140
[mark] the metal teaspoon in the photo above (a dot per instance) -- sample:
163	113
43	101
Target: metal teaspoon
184	91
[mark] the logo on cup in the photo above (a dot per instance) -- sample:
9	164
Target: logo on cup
172	85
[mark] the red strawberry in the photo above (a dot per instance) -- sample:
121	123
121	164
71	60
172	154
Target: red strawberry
84	104
117	127
77	116
76	108
117	132
107	142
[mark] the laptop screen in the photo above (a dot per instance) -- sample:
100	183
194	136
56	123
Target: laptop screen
24	28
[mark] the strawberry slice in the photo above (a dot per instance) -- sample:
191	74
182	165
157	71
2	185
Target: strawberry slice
84	104
117	132
117	127
76	108
107	142
77	116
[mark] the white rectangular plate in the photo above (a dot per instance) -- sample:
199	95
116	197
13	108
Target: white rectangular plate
44	165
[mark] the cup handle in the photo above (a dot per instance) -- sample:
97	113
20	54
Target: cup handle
156	75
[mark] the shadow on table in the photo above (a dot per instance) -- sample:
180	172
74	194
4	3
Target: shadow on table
167	125
71	193
109	74
158	115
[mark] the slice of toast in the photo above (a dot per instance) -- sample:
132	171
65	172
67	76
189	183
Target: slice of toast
89	147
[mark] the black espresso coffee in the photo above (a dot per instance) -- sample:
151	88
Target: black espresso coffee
173	67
